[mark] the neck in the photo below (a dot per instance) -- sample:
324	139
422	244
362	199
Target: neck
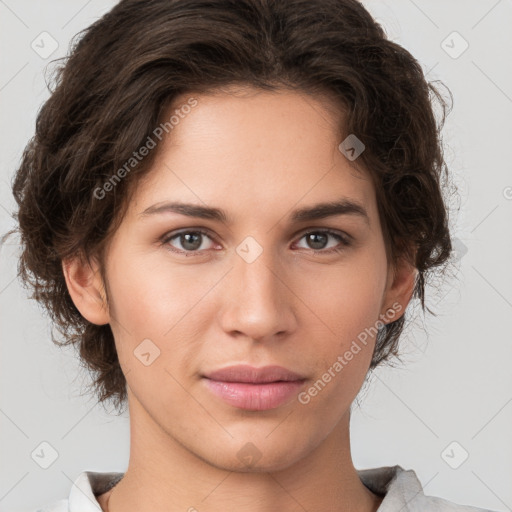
164	475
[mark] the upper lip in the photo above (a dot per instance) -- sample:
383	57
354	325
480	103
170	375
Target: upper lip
251	374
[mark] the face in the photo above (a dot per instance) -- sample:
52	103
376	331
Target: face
193	292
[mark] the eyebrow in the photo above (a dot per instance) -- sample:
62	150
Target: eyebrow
343	206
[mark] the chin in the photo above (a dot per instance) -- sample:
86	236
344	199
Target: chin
256	456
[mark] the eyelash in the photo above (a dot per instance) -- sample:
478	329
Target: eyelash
344	239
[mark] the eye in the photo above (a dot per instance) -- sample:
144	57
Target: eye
319	241
191	241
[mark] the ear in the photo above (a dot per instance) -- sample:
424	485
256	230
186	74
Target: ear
86	287
399	289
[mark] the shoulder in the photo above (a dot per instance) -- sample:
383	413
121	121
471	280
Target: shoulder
402	490
84	492
57	506
443	505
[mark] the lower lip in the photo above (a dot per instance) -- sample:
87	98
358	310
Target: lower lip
255	397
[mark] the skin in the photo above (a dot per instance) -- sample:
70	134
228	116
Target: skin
258	156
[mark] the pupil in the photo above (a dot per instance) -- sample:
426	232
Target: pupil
313	237
186	239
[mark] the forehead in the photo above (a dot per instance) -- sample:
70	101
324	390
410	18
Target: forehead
267	149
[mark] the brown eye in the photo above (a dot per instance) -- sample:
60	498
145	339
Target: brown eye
318	241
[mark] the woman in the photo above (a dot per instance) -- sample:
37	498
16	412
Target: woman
228	207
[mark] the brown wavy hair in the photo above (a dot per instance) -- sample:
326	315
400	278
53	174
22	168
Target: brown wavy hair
124	71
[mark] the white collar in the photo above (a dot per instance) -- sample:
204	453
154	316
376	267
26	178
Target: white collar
402	490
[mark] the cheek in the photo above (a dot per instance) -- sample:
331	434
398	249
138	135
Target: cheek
149	293
152	301
346	303
346	298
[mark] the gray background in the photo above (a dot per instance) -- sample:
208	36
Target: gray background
456	384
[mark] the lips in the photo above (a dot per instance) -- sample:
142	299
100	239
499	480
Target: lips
252	375
256	389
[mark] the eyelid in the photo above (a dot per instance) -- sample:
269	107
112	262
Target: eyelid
344	238
324	229
170	235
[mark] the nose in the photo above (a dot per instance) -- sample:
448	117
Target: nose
257	299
